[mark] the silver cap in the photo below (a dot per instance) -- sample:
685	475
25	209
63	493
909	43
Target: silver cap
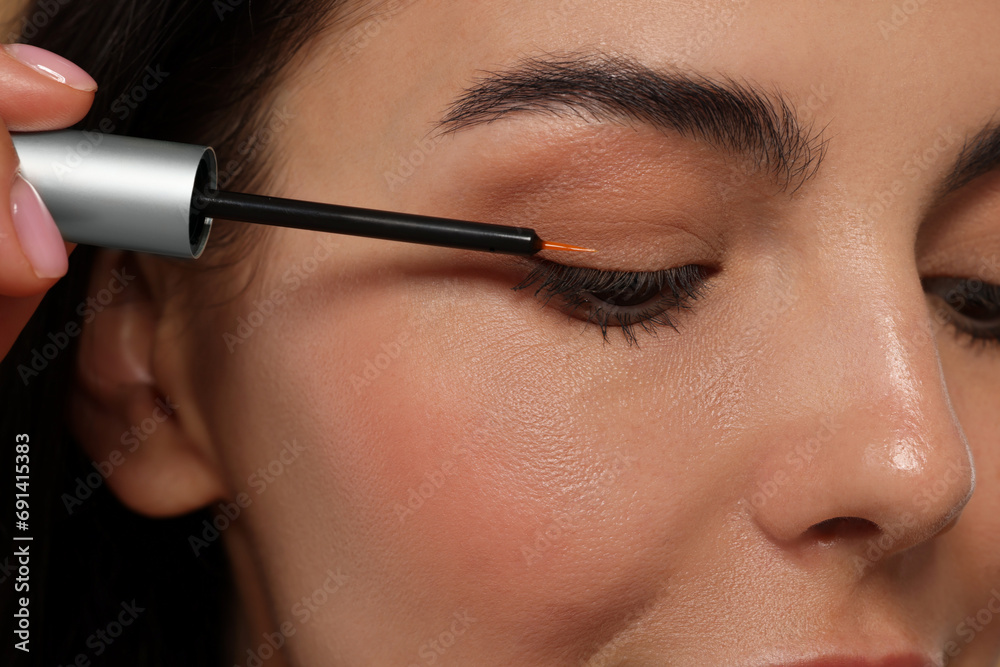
121	192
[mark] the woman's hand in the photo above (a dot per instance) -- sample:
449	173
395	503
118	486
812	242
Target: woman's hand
38	91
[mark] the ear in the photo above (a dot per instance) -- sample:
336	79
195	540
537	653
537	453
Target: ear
141	429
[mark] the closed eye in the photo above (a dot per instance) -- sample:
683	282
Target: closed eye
624	299
972	307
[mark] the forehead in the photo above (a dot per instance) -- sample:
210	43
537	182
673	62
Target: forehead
872	58
884	81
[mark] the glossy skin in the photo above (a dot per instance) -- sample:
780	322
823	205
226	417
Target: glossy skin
587	502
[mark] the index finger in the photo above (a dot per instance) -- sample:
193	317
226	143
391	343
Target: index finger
41	90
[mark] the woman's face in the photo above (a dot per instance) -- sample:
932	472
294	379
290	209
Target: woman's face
433	468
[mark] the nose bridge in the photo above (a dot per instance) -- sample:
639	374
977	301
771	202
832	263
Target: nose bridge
892	456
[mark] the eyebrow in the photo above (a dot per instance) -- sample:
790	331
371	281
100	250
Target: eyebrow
727	114
979	155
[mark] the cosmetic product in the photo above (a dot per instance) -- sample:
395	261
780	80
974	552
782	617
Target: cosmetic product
160	197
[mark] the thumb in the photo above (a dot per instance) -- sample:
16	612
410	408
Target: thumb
39	90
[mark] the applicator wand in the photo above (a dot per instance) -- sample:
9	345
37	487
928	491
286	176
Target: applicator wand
160	197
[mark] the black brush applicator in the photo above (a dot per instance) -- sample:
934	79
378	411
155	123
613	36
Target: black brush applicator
374	224
160	197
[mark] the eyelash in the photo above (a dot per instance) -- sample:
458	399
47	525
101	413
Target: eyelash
969	302
590	293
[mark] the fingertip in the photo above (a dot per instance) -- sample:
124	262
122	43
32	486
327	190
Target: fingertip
53	66
36	231
41	90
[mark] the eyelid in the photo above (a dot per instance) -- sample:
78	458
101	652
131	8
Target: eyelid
955	294
589	292
650	246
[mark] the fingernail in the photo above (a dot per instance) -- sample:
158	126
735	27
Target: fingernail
36	230
52	65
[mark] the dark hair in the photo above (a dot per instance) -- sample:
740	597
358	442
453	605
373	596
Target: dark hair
187	70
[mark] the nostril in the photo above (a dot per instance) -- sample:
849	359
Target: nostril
843	527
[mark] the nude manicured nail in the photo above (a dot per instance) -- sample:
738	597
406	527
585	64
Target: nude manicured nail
52	65
36	230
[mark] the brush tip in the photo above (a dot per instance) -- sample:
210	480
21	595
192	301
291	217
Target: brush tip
546	245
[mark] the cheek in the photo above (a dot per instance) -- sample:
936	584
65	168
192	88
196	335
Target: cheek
500	496
487	462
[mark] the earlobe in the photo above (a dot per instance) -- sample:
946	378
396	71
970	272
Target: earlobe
133	423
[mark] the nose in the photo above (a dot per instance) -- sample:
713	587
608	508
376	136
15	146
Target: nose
883	465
